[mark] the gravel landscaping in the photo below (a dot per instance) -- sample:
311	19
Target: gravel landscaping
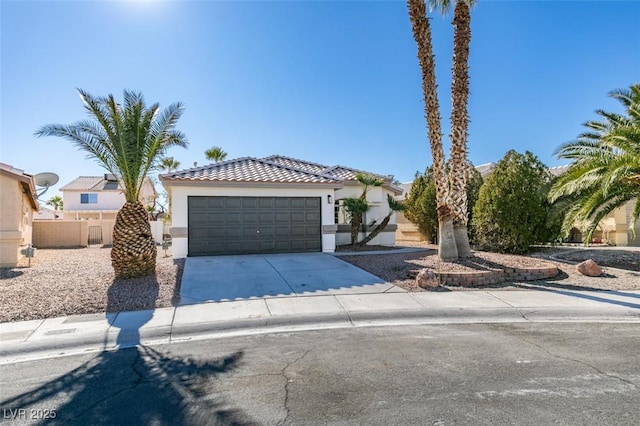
81	281
394	268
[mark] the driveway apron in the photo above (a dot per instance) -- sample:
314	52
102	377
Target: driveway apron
223	278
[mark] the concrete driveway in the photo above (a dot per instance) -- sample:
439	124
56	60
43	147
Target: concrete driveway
218	278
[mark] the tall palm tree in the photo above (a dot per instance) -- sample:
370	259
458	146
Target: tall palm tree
56	202
215	154
128	141
458	163
447	249
605	169
168	164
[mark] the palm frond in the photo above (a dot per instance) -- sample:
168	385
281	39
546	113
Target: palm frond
128	139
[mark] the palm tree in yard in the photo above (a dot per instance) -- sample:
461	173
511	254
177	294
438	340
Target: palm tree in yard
357	207
421	29
168	164
458	163
394	206
605	169
128	140
215	154
56	202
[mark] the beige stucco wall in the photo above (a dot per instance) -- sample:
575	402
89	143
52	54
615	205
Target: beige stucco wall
69	233
377	198
15	221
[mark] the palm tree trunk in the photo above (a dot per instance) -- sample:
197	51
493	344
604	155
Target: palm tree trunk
356	221
447	249
422	34
378	229
134	249
459	125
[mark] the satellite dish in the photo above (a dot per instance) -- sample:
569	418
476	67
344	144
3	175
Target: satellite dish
45	180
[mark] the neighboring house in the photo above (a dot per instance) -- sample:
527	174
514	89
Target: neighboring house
267	205
45	213
18	202
98	197
614	228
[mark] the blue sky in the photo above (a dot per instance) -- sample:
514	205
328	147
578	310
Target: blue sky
335	82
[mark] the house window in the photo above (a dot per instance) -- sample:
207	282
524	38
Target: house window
88	198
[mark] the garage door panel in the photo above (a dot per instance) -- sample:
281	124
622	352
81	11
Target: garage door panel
230	225
230	202
312	203
250	218
281	217
281	203
249	202
297	203
312	217
266	218
297	217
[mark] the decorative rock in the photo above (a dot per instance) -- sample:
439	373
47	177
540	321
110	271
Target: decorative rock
589	268
427	279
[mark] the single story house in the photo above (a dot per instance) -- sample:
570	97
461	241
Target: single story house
274	204
98	197
18	202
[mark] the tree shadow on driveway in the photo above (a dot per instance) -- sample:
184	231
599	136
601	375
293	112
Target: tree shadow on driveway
139	385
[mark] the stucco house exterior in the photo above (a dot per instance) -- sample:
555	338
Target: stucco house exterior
18	202
98	197
274	204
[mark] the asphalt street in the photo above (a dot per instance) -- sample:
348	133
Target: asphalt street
498	374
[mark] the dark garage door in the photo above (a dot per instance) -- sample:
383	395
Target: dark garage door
249	225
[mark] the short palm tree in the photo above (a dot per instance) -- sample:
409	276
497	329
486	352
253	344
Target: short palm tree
128	141
605	169
215	154
357	207
394	206
56	202
168	164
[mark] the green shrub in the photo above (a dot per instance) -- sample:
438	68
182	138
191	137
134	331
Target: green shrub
512	212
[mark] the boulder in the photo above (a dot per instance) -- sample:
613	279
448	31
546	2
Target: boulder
427	279
589	268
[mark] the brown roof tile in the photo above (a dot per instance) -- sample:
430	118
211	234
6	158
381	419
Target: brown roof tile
248	169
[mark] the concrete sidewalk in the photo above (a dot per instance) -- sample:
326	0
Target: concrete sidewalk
27	340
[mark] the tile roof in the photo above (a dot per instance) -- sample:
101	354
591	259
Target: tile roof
249	169
339	172
91	183
559	170
486	169
275	169
297	164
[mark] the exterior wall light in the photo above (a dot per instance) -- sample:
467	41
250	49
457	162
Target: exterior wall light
329	199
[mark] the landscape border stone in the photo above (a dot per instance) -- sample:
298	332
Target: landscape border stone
496	276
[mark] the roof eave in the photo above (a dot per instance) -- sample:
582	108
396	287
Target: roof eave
263	184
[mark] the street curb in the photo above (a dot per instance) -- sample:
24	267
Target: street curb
115	339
